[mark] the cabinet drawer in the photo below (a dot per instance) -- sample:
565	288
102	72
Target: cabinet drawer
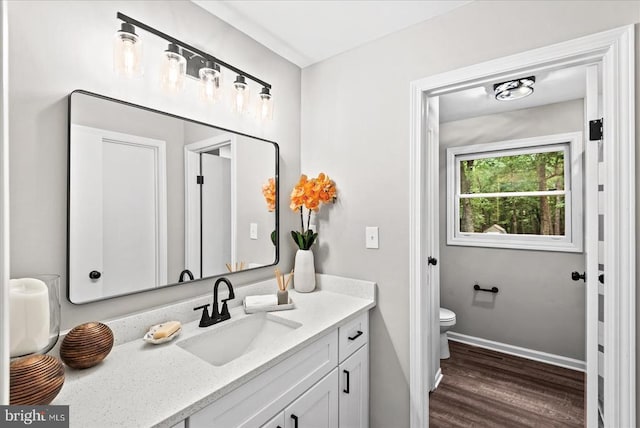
353	335
253	403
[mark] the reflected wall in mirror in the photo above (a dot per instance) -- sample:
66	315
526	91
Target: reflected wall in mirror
156	199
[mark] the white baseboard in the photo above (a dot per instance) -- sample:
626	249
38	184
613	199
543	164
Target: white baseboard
438	379
543	357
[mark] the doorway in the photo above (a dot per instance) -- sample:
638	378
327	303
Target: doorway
612	51
210	177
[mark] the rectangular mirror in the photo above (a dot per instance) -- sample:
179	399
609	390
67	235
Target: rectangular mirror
157	200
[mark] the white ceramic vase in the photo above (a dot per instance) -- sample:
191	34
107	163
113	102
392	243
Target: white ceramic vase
304	279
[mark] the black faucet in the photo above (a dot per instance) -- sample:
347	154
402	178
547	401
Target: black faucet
216	317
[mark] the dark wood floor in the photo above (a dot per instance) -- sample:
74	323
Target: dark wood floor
483	388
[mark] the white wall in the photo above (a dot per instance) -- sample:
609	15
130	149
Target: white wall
57	47
355	126
539	306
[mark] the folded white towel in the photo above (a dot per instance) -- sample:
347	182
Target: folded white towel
260	301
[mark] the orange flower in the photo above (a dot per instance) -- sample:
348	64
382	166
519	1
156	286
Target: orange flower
326	188
310	193
298	193
269	192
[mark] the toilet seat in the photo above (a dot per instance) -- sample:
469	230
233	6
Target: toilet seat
447	317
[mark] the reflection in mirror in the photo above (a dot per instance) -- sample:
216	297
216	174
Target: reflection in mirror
156	200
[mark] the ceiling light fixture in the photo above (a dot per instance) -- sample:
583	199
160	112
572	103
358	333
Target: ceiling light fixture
514	89
182	60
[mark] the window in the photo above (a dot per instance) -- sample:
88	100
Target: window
524	194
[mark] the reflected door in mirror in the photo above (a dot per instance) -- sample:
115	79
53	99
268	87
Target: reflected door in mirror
119	232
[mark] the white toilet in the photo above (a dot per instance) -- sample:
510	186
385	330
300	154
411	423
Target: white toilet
447	320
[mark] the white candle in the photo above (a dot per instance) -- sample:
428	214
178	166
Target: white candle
29	316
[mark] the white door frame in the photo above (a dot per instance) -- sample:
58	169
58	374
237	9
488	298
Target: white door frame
614	50
4	206
591	246
192	194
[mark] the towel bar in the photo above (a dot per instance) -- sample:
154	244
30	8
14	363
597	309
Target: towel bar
489	290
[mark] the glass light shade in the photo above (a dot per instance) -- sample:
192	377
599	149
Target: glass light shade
34	321
210	82
240	96
264	110
173	69
127	52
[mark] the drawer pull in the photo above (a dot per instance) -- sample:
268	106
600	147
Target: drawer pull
295	421
357	335
346	390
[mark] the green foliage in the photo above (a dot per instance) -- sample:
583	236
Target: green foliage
516	214
305	239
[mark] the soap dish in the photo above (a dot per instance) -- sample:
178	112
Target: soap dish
148	337
270	308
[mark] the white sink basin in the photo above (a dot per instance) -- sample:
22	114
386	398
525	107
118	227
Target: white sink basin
232	339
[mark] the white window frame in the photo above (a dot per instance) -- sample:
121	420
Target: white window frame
571	241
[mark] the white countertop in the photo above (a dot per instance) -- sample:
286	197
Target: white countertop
144	385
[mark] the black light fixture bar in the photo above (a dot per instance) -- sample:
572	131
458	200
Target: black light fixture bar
190	48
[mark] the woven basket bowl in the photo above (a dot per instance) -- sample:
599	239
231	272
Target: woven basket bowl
86	345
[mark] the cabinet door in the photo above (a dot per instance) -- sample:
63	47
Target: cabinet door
316	408
276	422
354	390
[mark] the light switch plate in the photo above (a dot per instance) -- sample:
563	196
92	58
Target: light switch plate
253	230
371	236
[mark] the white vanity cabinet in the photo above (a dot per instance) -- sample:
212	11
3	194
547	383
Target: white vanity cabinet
306	390
354	390
353	370
316	408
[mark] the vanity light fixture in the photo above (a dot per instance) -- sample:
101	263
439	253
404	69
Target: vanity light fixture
127	52
240	95
181	60
173	69
265	105
210	82
514	89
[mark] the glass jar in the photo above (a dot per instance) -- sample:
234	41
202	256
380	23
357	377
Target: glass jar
34	320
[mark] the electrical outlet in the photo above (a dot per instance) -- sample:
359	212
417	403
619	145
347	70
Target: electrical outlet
371	236
253	230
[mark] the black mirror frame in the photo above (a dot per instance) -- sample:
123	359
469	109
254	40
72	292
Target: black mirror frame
149	109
